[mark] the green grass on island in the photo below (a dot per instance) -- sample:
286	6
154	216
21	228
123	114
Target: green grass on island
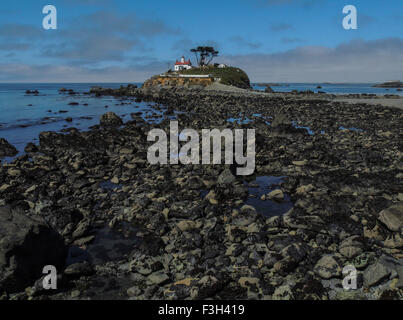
229	75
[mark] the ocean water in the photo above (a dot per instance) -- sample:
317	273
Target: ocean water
23	116
334	88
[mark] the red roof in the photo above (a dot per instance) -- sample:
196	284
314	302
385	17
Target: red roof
178	63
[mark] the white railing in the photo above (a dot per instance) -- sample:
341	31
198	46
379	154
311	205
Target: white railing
194	76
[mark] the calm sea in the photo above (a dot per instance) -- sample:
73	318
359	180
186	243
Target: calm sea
339	88
23	116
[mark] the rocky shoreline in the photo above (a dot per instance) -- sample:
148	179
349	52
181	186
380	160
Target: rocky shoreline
131	230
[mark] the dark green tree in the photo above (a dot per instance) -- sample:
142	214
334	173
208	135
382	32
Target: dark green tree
204	55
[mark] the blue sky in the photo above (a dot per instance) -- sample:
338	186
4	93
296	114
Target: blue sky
272	40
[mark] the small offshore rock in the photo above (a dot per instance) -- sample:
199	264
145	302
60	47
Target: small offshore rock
110	119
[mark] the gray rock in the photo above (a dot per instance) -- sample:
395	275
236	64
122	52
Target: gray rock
283	293
277	195
350	247
133	291
350	295
110	119
327	267
395	266
81	229
226	177
295	251
269	260
6	149
280	119
26	246
158	278
363	260
375	274
392	217
206	287
79	269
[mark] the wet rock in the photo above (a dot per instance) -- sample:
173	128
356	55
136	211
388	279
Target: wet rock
32	92
283	292
277	195
186	225
363	260
375	274
6	149
206	287
30	147
26	246
212	197
350	295
226	177
295	251
285	266
181	289
79	269
300	163
392	217
134	291
110	119
327	267
81	229
350	247
247	282
269	260
158	278
385	267
303	190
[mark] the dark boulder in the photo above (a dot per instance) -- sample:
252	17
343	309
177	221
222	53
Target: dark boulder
30	147
110	119
27	245
6	149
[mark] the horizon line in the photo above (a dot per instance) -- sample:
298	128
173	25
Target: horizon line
252	82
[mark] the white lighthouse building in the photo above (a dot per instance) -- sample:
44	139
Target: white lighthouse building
182	64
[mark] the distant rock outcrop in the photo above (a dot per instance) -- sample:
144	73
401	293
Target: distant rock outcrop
390	84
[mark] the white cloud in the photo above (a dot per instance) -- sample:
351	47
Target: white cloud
63	73
356	61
